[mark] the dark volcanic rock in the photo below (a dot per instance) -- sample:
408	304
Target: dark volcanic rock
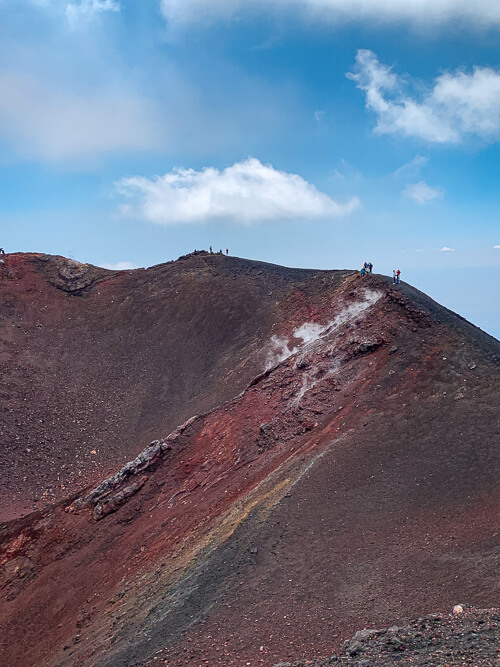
368	346
117	489
441	640
69	275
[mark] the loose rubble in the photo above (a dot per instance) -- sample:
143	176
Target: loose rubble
467	637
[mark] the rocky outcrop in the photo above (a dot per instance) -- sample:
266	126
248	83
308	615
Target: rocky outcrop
442	640
114	491
72	276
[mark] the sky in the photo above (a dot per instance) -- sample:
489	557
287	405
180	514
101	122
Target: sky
309	133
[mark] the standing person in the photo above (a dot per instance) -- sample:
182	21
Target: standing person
227	251
398	273
211	251
370	267
2	251
394	276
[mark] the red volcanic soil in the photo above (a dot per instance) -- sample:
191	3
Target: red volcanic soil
353	483
97	363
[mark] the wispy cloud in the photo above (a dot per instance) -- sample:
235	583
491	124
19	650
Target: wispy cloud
481	12
457	104
412	167
496	246
88	9
245	193
90	105
446	249
421	193
346	171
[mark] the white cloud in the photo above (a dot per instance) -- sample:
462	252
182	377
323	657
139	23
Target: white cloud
247	192
412	167
496	246
421	193
479	12
121	266
318	116
458	103
446	249
40	120
87	9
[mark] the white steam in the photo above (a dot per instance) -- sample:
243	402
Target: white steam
312	332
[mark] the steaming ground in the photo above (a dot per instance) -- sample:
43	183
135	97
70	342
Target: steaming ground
310	332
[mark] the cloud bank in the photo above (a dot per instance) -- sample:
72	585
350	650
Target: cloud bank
479	12
247	192
42	121
458	103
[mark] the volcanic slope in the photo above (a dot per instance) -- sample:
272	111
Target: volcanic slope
353	483
96	363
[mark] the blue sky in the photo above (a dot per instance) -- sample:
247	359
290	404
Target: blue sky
312	133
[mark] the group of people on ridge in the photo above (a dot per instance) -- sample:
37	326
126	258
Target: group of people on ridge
218	253
367	268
